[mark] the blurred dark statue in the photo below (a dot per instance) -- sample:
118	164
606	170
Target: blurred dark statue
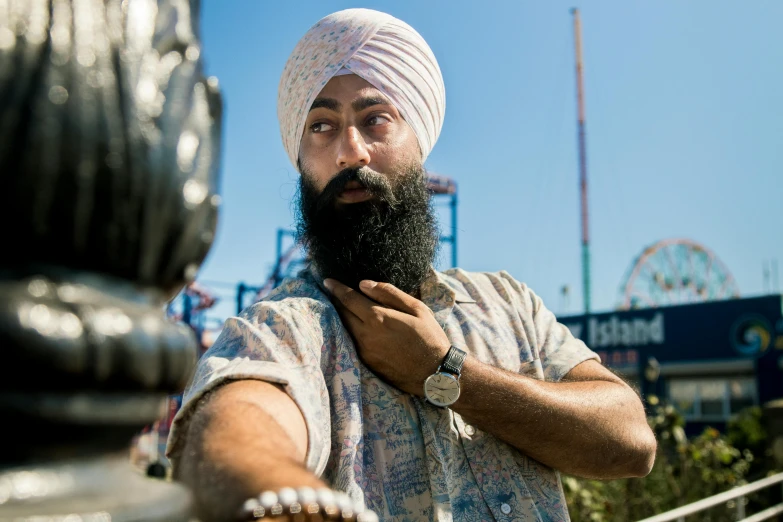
109	152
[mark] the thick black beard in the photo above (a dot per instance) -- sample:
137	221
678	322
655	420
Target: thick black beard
391	238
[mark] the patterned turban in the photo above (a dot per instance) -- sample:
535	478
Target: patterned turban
386	52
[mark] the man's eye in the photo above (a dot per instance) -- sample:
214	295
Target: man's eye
376	120
320	127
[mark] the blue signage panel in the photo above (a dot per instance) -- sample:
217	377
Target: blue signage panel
738	329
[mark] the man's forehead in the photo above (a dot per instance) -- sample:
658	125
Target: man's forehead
348	89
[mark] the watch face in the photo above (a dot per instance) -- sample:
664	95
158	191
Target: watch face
441	389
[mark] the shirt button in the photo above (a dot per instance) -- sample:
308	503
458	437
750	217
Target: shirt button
470	430
505	508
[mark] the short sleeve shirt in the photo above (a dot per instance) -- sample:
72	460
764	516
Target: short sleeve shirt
402	457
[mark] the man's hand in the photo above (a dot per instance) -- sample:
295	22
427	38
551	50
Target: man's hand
396	335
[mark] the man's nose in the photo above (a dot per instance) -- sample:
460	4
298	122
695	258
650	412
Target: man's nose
353	150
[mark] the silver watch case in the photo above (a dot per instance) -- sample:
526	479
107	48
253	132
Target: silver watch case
442	389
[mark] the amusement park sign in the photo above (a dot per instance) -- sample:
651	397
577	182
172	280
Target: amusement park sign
614	331
690	337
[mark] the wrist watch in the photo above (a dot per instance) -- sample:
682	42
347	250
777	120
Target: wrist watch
442	387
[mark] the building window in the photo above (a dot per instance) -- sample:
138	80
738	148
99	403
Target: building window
714	399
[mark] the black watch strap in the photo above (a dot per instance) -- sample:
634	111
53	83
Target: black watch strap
453	361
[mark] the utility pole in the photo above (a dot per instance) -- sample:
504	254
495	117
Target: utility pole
582	161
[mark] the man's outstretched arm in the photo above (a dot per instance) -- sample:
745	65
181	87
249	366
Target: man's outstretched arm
243	438
590	424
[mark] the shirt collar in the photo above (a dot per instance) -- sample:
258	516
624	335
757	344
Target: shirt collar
438	286
441	297
460	296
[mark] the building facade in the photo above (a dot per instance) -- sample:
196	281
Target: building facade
709	360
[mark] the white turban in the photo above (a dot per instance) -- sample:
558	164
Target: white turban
386	52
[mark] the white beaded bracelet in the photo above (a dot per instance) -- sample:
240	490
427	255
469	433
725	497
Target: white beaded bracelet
323	502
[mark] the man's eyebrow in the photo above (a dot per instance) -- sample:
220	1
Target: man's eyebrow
368	101
326	103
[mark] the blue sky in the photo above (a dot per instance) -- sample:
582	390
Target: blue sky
684	133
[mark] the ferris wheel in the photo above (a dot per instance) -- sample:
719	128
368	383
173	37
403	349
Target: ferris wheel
675	271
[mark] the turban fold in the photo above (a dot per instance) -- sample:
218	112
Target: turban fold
386	52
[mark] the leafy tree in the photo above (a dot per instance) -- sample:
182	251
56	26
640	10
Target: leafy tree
685	471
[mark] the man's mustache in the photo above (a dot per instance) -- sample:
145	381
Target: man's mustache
376	184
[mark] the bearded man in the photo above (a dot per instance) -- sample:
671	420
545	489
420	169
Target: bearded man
421	395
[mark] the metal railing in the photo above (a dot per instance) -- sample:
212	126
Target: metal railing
679	514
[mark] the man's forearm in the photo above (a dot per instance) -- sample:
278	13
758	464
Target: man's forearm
234	449
591	428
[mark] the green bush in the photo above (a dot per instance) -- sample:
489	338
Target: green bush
685	470
746	432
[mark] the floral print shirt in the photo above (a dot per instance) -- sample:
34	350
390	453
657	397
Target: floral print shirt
406	459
